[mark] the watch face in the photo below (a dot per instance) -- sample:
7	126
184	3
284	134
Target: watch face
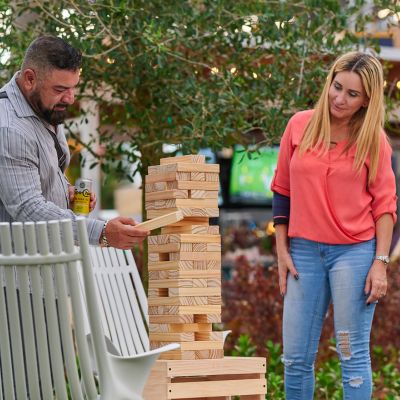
384	259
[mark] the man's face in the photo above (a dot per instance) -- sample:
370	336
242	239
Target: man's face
53	93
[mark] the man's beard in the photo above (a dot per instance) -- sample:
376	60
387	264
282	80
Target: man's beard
51	116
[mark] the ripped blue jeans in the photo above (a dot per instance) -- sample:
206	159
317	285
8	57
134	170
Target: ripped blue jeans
328	273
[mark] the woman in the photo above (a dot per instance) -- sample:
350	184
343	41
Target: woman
334	174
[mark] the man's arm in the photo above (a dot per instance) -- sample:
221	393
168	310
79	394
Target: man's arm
20	186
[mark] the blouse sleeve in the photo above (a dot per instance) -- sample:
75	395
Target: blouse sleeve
281	180
383	188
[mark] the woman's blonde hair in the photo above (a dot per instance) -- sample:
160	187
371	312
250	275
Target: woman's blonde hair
366	124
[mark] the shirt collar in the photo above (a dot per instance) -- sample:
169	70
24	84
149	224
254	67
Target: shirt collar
21	104
17	99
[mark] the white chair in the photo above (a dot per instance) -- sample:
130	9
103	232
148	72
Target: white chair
39	346
124	307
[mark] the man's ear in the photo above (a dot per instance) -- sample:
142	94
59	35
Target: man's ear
29	79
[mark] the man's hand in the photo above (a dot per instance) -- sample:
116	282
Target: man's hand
122	234
71	196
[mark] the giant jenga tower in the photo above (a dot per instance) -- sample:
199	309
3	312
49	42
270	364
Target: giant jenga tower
185	259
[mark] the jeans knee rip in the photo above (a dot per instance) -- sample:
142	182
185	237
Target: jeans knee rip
285	361
344	349
356	381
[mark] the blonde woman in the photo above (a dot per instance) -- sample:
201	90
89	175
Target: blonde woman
334	175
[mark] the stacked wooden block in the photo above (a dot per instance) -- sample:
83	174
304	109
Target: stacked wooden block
185	259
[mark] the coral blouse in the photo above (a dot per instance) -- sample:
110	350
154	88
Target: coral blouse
329	201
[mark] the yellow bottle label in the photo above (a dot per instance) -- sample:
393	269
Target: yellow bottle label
82	202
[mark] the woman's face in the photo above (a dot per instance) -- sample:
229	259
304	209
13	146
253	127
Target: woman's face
346	95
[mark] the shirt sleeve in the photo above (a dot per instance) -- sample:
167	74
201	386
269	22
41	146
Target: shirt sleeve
383	188
20	187
281	180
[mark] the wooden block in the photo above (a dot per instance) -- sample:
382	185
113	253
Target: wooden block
209	318
158	239
203	345
168	194
172	319
155	187
194	291
186	211
177	355
194	238
183	167
200	221
207	265
203	194
210	177
207	247
214	283
193	185
192	229
170	265
178	301
211	354
190	158
175	283
214	300
167	177
182	256
180	328
171	337
161	221
198	176
164	248
195	274
239	387
208	336
181	202
183	310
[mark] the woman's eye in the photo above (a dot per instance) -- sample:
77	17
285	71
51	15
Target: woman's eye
353	94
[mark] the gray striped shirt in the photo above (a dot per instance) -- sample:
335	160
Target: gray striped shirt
32	186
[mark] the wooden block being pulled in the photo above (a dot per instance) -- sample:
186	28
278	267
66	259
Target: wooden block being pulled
167	177
193	256
160	221
190	158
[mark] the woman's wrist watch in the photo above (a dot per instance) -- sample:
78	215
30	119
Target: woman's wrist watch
103	237
384	259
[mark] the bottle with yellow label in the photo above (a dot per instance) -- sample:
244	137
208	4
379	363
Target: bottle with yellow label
83	188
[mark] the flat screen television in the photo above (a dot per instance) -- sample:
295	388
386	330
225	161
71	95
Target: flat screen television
251	177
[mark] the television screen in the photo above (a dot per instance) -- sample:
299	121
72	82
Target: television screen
251	177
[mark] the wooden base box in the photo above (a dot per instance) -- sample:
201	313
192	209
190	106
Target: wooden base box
212	379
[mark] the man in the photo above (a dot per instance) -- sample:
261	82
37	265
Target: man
33	149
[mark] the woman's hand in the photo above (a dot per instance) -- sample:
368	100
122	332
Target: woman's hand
285	266
376	283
